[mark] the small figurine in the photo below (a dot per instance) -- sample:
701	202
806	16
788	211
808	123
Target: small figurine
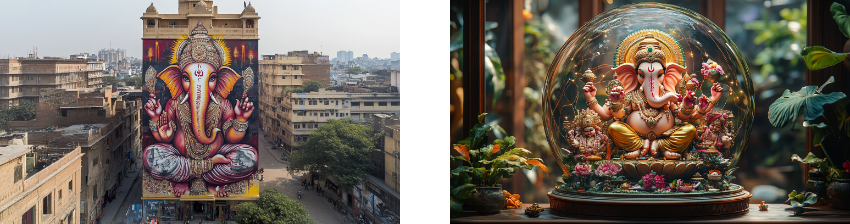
533	210
714	135
625	186
714	176
697	180
762	206
589	139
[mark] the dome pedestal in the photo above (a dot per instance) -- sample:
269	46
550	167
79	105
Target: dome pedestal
568	203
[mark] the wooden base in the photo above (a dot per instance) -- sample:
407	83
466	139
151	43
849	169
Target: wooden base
649	205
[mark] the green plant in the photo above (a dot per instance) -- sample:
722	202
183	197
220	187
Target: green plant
786	109
485	164
818	57
494	74
801	200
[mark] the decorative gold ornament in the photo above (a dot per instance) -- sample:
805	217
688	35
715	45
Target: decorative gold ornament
247	79
588	76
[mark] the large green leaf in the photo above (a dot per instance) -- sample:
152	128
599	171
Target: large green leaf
810	198
493	70
463	192
818	57
787	107
456	207
810	159
840	16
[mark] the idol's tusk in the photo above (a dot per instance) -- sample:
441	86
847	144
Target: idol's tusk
184	99
213	98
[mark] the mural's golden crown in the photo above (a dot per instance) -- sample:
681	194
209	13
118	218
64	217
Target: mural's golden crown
650	51
199	48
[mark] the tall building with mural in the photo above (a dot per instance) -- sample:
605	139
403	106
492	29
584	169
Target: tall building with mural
200	125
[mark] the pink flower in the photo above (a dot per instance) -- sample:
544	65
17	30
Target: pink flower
659	182
719	70
607	169
582	170
704	72
704	65
648	180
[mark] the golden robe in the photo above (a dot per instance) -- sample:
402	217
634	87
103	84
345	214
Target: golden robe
676	139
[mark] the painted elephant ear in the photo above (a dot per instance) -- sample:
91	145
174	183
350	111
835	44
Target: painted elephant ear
672	76
627	75
226	80
171	77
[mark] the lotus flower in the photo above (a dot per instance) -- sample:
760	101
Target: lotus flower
659	182
582	170
648	180
607	169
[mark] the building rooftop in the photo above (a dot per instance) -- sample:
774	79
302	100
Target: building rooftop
13	151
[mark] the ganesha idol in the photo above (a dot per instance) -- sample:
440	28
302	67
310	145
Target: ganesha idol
198	129
645	104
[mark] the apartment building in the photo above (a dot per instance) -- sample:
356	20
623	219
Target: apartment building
289	118
189	12
23	78
103	123
49	194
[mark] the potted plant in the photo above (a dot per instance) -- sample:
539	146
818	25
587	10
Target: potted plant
786	109
475	183
798	201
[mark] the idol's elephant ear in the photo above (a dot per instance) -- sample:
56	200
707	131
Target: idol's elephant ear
171	77
627	75
226	80
672	76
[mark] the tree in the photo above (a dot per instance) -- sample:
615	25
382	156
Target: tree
109	81
355	70
313	86
273	207
24	111
339	148
136	80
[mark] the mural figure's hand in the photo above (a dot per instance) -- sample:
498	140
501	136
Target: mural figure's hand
243	108
165	128
220	159
153	108
179	188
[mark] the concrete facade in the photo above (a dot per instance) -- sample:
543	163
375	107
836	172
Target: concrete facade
103	123
24	78
189	12
51	195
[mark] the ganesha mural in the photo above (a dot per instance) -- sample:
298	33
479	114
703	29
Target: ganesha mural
201	137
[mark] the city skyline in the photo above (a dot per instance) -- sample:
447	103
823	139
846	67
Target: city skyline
336	26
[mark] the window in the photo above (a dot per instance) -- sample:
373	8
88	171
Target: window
321	114
383	104
249	23
95	161
395	103
337	102
355	104
19	173
151	22
297	126
60	194
283	67
327	115
368	104
327	102
296	77
283	77
46	205
64	112
71	185
101	113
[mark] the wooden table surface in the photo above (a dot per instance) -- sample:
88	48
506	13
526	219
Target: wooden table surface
778	213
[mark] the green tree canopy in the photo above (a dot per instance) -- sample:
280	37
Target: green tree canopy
355	70
137	80
273	208
313	86
340	148
24	111
109	81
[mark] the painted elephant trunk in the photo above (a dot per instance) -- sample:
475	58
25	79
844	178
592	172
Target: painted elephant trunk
652	88
200	98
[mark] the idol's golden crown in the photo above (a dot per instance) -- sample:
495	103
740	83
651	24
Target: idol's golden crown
588	118
650	51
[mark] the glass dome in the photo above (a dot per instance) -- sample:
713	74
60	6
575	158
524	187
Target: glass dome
614	39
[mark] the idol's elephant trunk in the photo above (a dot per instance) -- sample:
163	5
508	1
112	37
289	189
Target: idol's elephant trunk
652	89
200	96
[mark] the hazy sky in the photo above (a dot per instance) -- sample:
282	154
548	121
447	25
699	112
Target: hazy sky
60	28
